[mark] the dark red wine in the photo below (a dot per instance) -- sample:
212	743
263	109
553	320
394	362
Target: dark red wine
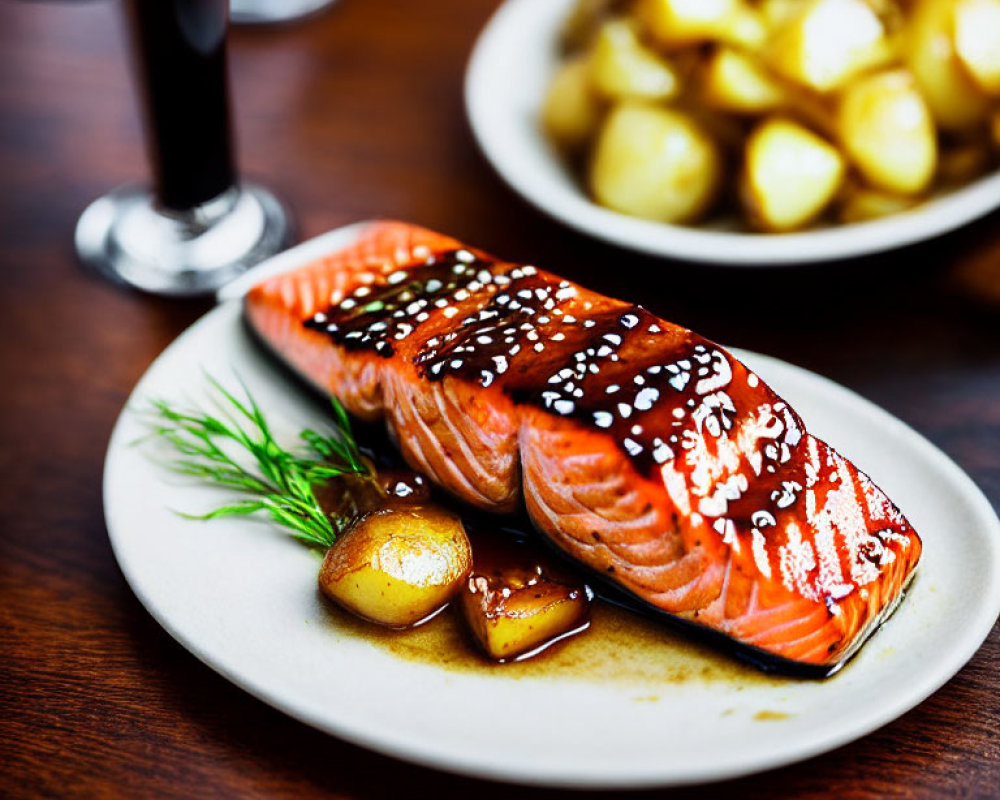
181	63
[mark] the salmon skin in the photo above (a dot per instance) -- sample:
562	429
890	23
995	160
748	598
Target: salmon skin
640	449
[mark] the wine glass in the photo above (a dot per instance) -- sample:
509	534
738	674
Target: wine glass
199	226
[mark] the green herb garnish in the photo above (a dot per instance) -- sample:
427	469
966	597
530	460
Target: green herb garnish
283	483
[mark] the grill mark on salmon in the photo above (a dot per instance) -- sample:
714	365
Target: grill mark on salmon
647	453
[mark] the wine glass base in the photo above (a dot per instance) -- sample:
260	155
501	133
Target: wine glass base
125	238
262	12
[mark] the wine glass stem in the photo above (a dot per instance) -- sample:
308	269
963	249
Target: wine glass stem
180	56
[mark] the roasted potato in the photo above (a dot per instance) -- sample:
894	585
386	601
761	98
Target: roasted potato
516	610
828	42
675	23
745	28
977	41
622	68
572	111
399	565
900	97
777	13
955	100
861	204
739	83
584	21
790	175
886	129
654	162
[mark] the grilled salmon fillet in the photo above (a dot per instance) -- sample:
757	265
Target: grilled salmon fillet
643	451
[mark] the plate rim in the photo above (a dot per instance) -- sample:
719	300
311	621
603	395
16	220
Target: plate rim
571	207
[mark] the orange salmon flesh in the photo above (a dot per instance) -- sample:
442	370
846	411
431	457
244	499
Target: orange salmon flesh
640	449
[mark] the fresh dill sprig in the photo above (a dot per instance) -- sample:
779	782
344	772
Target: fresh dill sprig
282	483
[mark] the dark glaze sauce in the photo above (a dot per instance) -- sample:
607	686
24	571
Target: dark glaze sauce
619	647
656	389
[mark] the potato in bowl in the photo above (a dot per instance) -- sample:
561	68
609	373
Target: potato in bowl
782	114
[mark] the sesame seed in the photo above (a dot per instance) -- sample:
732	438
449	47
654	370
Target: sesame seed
564	406
645	399
632	446
662	453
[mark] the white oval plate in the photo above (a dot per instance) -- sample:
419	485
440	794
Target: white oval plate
511	65
241	596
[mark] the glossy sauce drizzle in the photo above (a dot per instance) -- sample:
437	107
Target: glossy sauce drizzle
656	389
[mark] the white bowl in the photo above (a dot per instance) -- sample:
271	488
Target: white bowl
507	76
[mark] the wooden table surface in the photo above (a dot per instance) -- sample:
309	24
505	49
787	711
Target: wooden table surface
359	114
